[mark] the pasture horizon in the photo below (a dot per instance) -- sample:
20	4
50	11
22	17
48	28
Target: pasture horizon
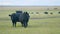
36	8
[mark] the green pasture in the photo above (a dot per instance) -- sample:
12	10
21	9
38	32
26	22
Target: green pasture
46	24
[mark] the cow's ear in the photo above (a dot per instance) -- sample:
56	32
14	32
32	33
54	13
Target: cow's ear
9	15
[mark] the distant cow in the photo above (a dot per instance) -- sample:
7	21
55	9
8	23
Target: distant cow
22	17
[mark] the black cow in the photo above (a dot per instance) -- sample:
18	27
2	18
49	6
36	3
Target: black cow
20	17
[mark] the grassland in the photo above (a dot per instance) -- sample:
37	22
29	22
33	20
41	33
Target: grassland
46	24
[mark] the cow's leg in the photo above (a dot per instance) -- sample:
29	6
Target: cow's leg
25	24
15	24
22	24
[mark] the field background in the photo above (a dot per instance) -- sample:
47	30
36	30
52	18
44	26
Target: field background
38	24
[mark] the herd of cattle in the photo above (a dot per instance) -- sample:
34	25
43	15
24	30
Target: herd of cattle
20	16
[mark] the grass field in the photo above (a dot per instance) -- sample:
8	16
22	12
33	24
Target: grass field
46	24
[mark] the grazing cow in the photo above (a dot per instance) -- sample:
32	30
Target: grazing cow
20	17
